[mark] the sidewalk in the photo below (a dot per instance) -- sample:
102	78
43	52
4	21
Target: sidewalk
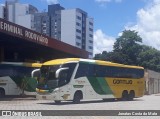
12	98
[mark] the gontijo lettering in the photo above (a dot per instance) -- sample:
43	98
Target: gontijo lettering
119	81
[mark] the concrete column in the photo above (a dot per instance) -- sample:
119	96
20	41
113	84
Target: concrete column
1	54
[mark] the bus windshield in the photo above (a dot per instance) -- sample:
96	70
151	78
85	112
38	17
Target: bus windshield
48	79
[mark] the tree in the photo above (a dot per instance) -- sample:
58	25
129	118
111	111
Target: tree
149	58
102	56
128	50
117	57
128	45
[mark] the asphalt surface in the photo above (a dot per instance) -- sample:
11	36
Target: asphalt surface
146	107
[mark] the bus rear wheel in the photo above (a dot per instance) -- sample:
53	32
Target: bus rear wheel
77	97
125	95
131	95
2	93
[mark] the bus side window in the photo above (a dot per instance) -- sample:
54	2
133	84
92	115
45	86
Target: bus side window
96	71
71	67
83	70
63	77
6	70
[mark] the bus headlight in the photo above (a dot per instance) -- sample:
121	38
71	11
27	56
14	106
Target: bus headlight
56	90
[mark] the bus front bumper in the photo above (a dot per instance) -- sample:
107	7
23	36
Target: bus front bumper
47	97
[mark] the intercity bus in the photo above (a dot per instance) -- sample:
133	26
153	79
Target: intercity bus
75	79
15	78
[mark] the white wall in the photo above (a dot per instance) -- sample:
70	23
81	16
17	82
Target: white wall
1	11
88	38
20	10
15	10
152	82
79	28
25	20
68	28
10	13
18	13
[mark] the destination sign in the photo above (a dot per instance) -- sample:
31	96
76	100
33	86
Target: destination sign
23	32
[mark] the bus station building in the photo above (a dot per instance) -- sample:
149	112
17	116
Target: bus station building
19	44
152	80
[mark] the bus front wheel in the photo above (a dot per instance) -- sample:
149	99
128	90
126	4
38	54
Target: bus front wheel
57	101
77	97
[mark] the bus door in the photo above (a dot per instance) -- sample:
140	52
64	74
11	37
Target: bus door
63	83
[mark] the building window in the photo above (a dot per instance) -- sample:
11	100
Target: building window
27	12
78	37
44	28
78	24
90	47
90	23
77	30
59	32
90	41
90	29
78	17
90	53
78	44
90	35
44	21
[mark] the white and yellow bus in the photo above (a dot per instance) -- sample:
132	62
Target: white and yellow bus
15	78
75	79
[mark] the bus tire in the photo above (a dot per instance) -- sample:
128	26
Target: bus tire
108	99
131	95
77	97
125	95
57	101
2	93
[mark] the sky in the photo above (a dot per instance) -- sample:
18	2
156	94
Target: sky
112	17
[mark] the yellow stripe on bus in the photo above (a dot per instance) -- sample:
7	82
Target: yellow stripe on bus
60	61
41	91
118	85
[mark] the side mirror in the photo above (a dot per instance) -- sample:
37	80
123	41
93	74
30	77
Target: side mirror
59	70
35	73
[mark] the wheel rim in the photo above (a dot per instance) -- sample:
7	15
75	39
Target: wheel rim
76	98
125	96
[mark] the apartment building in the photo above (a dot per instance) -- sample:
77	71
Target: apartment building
21	14
77	29
2	11
72	26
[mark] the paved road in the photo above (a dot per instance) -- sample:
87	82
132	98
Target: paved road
148	102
